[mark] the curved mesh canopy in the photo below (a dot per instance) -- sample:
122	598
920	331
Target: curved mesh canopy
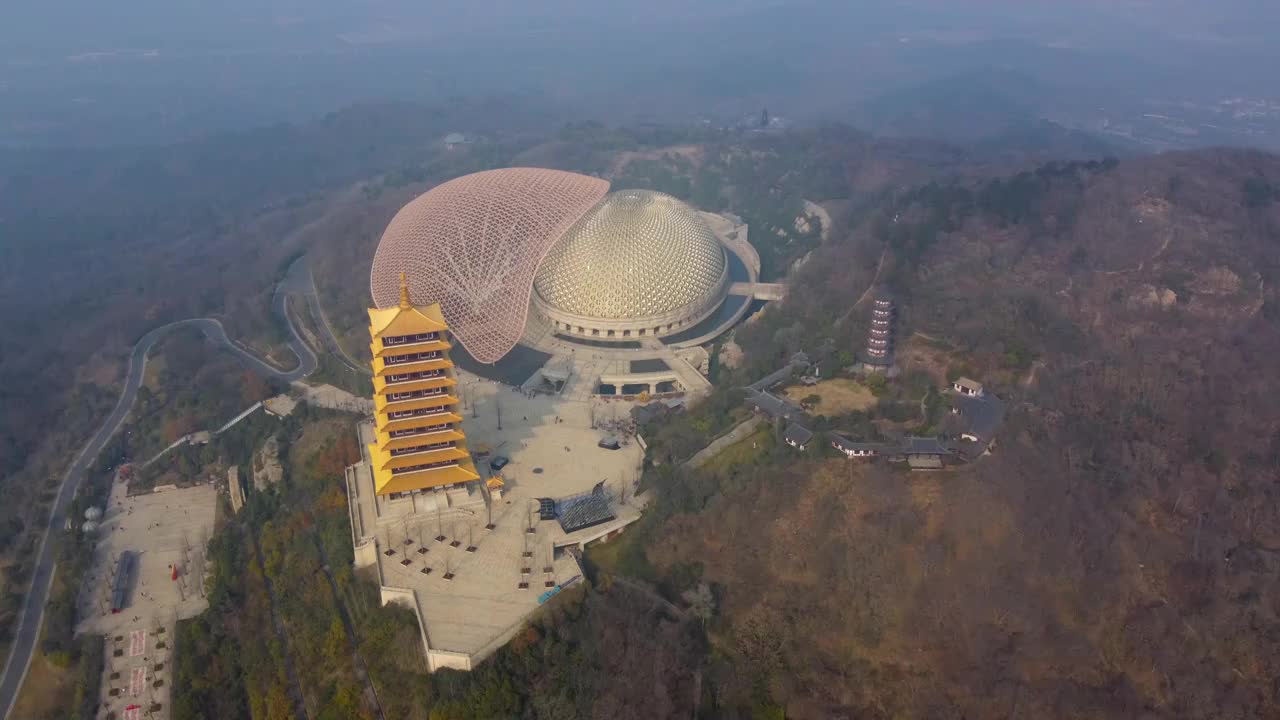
473	245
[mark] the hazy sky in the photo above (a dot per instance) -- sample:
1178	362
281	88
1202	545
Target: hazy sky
70	26
76	69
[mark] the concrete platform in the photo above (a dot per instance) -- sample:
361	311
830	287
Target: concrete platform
552	449
164	529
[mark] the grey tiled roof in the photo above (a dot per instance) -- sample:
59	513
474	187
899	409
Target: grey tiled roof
845	443
982	416
773	406
798	434
924	446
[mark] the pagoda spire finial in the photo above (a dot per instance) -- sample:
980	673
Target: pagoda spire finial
404	292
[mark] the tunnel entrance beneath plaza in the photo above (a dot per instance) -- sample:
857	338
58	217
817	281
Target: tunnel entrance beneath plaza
638	384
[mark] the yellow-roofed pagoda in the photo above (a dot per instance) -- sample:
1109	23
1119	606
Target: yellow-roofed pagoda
419	443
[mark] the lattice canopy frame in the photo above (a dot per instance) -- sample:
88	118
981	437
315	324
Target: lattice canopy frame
474	244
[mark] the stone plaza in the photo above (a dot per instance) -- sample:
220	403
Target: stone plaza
475	561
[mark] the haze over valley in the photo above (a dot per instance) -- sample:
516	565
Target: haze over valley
785	359
1171	75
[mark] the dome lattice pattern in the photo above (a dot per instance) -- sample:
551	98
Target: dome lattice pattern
638	254
473	245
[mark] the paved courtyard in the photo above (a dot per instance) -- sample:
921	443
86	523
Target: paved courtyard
166	532
550	440
492	587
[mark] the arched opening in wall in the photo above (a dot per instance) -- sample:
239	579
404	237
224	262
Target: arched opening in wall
595	332
626	333
640	331
610	333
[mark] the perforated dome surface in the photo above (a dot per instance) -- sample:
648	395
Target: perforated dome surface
637	254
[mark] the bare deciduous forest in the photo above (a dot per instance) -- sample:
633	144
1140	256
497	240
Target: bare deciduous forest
1116	557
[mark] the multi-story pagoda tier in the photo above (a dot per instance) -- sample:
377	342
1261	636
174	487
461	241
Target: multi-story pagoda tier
880	336
419	443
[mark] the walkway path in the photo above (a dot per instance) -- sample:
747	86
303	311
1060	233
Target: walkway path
1142	264
740	432
759	290
691	380
282	634
31	616
328	336
357	657
775	377
870	286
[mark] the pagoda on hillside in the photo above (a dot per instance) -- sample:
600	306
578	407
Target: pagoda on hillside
419	443
879	354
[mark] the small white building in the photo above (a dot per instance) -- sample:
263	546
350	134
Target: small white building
968	387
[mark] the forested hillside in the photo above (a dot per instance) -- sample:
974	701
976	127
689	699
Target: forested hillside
1116	557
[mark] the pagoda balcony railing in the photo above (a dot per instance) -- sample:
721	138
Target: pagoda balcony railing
410	377
422	413
427	430
416	395
415	357
422	449
398	340
424	466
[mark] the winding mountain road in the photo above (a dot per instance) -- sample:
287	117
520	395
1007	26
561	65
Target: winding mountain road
32	614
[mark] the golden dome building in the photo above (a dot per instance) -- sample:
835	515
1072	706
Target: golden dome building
498	247
640	263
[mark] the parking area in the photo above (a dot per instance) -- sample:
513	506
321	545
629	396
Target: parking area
148	573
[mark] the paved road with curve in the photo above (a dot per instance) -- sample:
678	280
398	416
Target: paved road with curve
32	614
